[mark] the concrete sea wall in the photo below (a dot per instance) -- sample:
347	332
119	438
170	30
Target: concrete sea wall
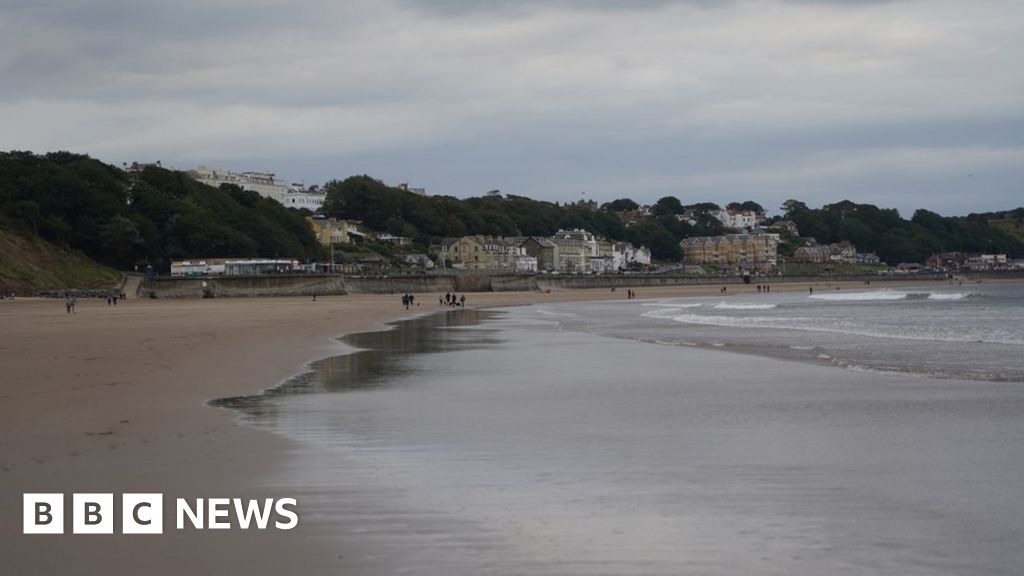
241	286
307	285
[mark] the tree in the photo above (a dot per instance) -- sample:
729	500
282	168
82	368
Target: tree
620	205
749	205
670	204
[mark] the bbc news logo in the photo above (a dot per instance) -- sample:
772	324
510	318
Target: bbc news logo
144	514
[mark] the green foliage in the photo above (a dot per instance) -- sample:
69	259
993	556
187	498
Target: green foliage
158	215
668	205
427	219
748	205
29	264
895	239
620	205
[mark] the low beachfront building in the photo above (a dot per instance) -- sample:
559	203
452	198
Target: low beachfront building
837	253
232	267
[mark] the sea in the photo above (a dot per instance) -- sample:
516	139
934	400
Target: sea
869	431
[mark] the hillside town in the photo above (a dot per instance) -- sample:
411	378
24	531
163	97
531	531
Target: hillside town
747	242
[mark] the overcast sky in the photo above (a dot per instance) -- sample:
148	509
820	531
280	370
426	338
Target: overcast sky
900	103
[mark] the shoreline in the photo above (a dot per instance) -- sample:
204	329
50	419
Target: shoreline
117	400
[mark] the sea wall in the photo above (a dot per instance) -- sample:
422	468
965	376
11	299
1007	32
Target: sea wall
570	282
264	286
241	286
400	284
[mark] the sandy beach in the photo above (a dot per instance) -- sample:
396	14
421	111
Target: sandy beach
113	400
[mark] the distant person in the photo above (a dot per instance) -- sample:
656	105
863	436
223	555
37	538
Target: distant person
462	301
70	302
811	289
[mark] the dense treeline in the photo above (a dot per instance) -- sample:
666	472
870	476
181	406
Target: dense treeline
895	239
156	215
870	228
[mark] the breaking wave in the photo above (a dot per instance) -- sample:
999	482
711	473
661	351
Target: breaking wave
740	306
889	295
831	326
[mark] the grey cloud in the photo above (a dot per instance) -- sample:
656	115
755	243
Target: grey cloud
887	101
460	7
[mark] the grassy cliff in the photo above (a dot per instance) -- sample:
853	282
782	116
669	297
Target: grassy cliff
28	265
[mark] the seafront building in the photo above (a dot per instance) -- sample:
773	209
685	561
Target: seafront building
567	251
543	249
576	248
479	252
232	267
837	253
733	252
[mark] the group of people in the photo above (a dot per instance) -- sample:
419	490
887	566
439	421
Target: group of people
630	294
452	300
71	301
408	300
763	288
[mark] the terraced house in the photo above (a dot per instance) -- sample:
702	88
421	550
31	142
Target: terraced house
733	252
485	253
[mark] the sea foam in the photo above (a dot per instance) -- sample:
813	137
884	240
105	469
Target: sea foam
743	306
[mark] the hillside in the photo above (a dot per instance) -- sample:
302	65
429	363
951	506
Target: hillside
28	265
1013	227
121	219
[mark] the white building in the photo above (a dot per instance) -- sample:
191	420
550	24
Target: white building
575	249
738	219
265	184
526	263
188	268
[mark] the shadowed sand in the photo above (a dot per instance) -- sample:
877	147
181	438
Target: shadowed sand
112	400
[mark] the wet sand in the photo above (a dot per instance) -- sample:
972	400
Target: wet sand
113	400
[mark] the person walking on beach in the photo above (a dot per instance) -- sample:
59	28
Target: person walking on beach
70	302
462	301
